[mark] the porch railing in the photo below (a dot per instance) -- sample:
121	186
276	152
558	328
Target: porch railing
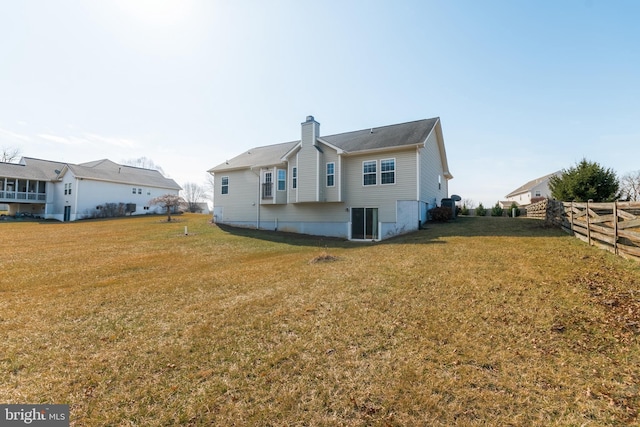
22	196
267	190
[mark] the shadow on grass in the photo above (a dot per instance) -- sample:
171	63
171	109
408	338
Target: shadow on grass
430	234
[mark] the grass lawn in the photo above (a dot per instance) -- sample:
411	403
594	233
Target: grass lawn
481	321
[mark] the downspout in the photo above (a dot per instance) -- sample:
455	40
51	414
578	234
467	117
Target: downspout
77	190
257	200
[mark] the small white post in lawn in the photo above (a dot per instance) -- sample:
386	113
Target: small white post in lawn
513	212
186	233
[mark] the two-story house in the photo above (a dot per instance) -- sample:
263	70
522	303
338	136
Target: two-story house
531	192
369	184
66	192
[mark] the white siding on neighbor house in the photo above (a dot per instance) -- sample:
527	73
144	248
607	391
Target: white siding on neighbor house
433	185
92	193
381	196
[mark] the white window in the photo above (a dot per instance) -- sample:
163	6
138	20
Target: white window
133	190
294	177
369	172
439	182
282	179
331	174
388	171
224	182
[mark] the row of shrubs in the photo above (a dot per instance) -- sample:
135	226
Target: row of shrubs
110	210
496	210
441	213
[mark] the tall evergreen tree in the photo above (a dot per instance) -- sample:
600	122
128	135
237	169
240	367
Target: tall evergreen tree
585	181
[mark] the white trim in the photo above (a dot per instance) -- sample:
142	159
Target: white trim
375	173
395	171
418	161
327	174
340	182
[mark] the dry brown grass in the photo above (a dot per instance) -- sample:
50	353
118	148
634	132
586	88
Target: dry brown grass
482	321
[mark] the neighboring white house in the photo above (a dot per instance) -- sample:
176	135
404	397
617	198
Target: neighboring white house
368	184
537	188
67	192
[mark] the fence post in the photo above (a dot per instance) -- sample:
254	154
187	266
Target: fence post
572	216
615	227
588	226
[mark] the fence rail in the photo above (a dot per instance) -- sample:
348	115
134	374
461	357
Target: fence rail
612	226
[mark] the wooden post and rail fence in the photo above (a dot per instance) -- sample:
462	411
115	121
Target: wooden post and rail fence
612	226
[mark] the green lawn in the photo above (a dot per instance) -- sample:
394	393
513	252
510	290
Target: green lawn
480	321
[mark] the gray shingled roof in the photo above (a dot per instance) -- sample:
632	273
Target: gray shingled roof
529	185
30	168
106	170
103	170
410	133
398	135
260	156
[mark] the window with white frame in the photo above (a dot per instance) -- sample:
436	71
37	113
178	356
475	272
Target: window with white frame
369	172
294	177
388	171
224	185
282	179
331	174
133	190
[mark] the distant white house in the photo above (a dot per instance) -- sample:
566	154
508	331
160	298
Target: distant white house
368	184
67	192
527	193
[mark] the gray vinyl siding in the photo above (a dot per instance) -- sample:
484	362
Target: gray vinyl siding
240	204
292	193
307	212
308	164
330	194
308	159
430	169
281	195
383	197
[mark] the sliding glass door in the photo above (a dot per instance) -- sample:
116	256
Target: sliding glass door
364	223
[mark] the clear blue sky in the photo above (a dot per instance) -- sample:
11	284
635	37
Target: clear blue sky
523	88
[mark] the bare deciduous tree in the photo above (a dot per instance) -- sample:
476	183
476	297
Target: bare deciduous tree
630	186
169	202
209	187
9	154
144	163
192	193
